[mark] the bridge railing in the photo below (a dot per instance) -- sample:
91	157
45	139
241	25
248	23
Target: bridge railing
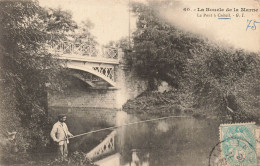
106	146
83	49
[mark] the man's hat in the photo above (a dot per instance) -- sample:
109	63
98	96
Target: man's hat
61	115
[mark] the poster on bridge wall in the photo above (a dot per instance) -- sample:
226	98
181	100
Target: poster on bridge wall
130	82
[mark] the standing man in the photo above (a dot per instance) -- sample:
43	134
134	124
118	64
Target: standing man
60	134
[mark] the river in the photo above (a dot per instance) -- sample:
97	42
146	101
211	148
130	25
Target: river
180	141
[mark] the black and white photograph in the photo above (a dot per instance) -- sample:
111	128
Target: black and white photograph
130	82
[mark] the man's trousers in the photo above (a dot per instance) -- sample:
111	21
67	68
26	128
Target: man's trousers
63	151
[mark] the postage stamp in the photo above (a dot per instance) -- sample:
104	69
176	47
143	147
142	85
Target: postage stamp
238	144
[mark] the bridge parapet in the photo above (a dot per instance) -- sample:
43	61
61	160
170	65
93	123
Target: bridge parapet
97	60
84	50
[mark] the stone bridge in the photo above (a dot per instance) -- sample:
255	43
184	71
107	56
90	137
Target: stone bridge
97	76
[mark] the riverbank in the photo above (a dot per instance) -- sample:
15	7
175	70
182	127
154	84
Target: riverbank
156	104
162	104
76	158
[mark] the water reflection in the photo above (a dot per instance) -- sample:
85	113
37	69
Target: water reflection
175	141
121	118
162	126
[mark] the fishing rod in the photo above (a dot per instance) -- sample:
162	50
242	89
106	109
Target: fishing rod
128	124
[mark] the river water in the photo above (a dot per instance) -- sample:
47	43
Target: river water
180	141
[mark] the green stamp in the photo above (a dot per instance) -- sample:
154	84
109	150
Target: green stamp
238	144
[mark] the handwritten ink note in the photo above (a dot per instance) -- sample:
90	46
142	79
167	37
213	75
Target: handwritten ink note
251	24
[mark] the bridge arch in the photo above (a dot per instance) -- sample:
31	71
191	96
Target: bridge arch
92	71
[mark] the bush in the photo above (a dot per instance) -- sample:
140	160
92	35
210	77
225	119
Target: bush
76	159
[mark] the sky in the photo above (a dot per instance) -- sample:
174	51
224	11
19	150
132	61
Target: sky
230	32
111	19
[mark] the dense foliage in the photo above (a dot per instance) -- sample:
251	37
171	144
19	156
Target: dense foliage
160	51
23	61
226	81
215	79
27	68
76	158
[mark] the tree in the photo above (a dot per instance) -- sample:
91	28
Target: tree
83	35
27	67
122	43
219	80
160	51
224	80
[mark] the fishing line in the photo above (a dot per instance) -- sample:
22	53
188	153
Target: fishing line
128	124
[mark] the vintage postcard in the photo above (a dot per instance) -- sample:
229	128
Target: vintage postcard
130	82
